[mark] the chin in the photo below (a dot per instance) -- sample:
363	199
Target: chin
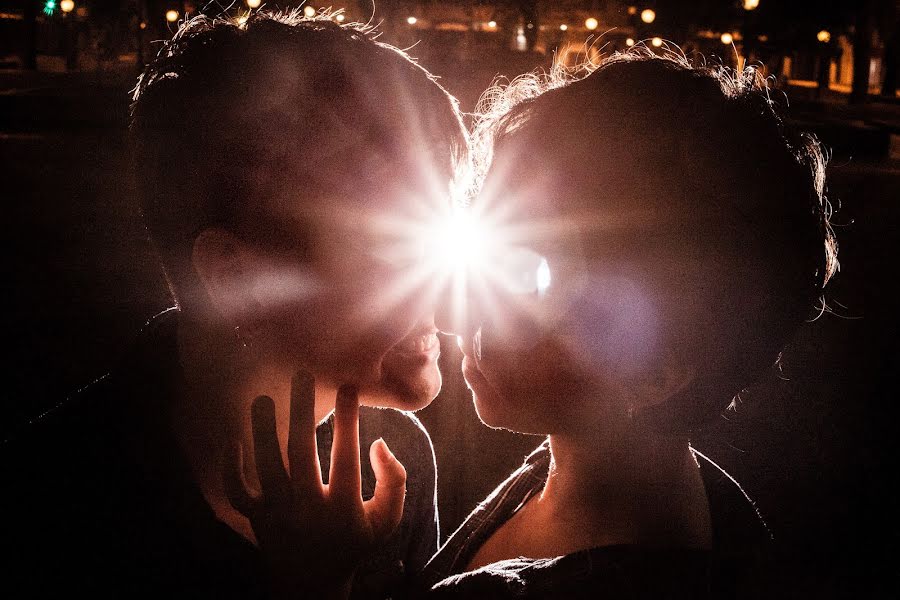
406	392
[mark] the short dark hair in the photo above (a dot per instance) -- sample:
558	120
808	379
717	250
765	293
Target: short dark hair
702	139
230	107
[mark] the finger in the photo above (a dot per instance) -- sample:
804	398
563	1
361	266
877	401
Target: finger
233	479
303	455
385	508
344	479
269	467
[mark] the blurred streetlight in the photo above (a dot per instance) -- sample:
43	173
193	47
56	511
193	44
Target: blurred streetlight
492	24
629	42
309	11
339	17
591	23
824	36
254	3
727	38
563	27
648	16
632	10
411	20
67	6
657	42
750	4
171	16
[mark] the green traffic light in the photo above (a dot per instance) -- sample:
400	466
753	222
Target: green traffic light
49	7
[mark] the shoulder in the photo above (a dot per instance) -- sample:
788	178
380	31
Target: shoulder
737	521
95	430
612	571
65	431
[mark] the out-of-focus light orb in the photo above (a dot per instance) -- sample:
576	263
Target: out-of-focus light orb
171	16
521	40
254	3
143	25
492	24
751	4
632	10
824	36
727	38
67	6
591	23
763	38
656	42
648	15
339	17
563	27
412	20
309	11
629	42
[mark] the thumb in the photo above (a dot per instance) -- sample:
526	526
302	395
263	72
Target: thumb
385	508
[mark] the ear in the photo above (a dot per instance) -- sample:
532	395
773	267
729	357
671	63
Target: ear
223	264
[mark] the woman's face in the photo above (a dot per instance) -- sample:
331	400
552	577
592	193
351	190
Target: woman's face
594	345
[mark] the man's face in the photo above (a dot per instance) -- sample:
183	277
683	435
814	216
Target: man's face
350	306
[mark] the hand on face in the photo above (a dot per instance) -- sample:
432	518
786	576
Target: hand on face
313	535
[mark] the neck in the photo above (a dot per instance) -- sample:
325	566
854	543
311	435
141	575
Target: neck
222	380
634	486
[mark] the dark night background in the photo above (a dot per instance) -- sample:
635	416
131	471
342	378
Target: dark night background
814	446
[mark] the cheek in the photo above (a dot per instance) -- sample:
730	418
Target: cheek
534	392
612	327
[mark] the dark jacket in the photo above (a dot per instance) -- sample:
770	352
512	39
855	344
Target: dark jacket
99	501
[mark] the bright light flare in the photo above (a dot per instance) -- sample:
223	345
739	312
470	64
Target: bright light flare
67	6
591	23
629	42
656	42
171	16
254	3
309	11
543	277
492	24
648	16
472	252
563	27
824	36
412	20
727	38
751	4
457	243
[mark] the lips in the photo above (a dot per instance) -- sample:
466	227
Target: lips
418	343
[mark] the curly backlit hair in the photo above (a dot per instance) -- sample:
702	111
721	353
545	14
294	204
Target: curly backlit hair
228	120
690	140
